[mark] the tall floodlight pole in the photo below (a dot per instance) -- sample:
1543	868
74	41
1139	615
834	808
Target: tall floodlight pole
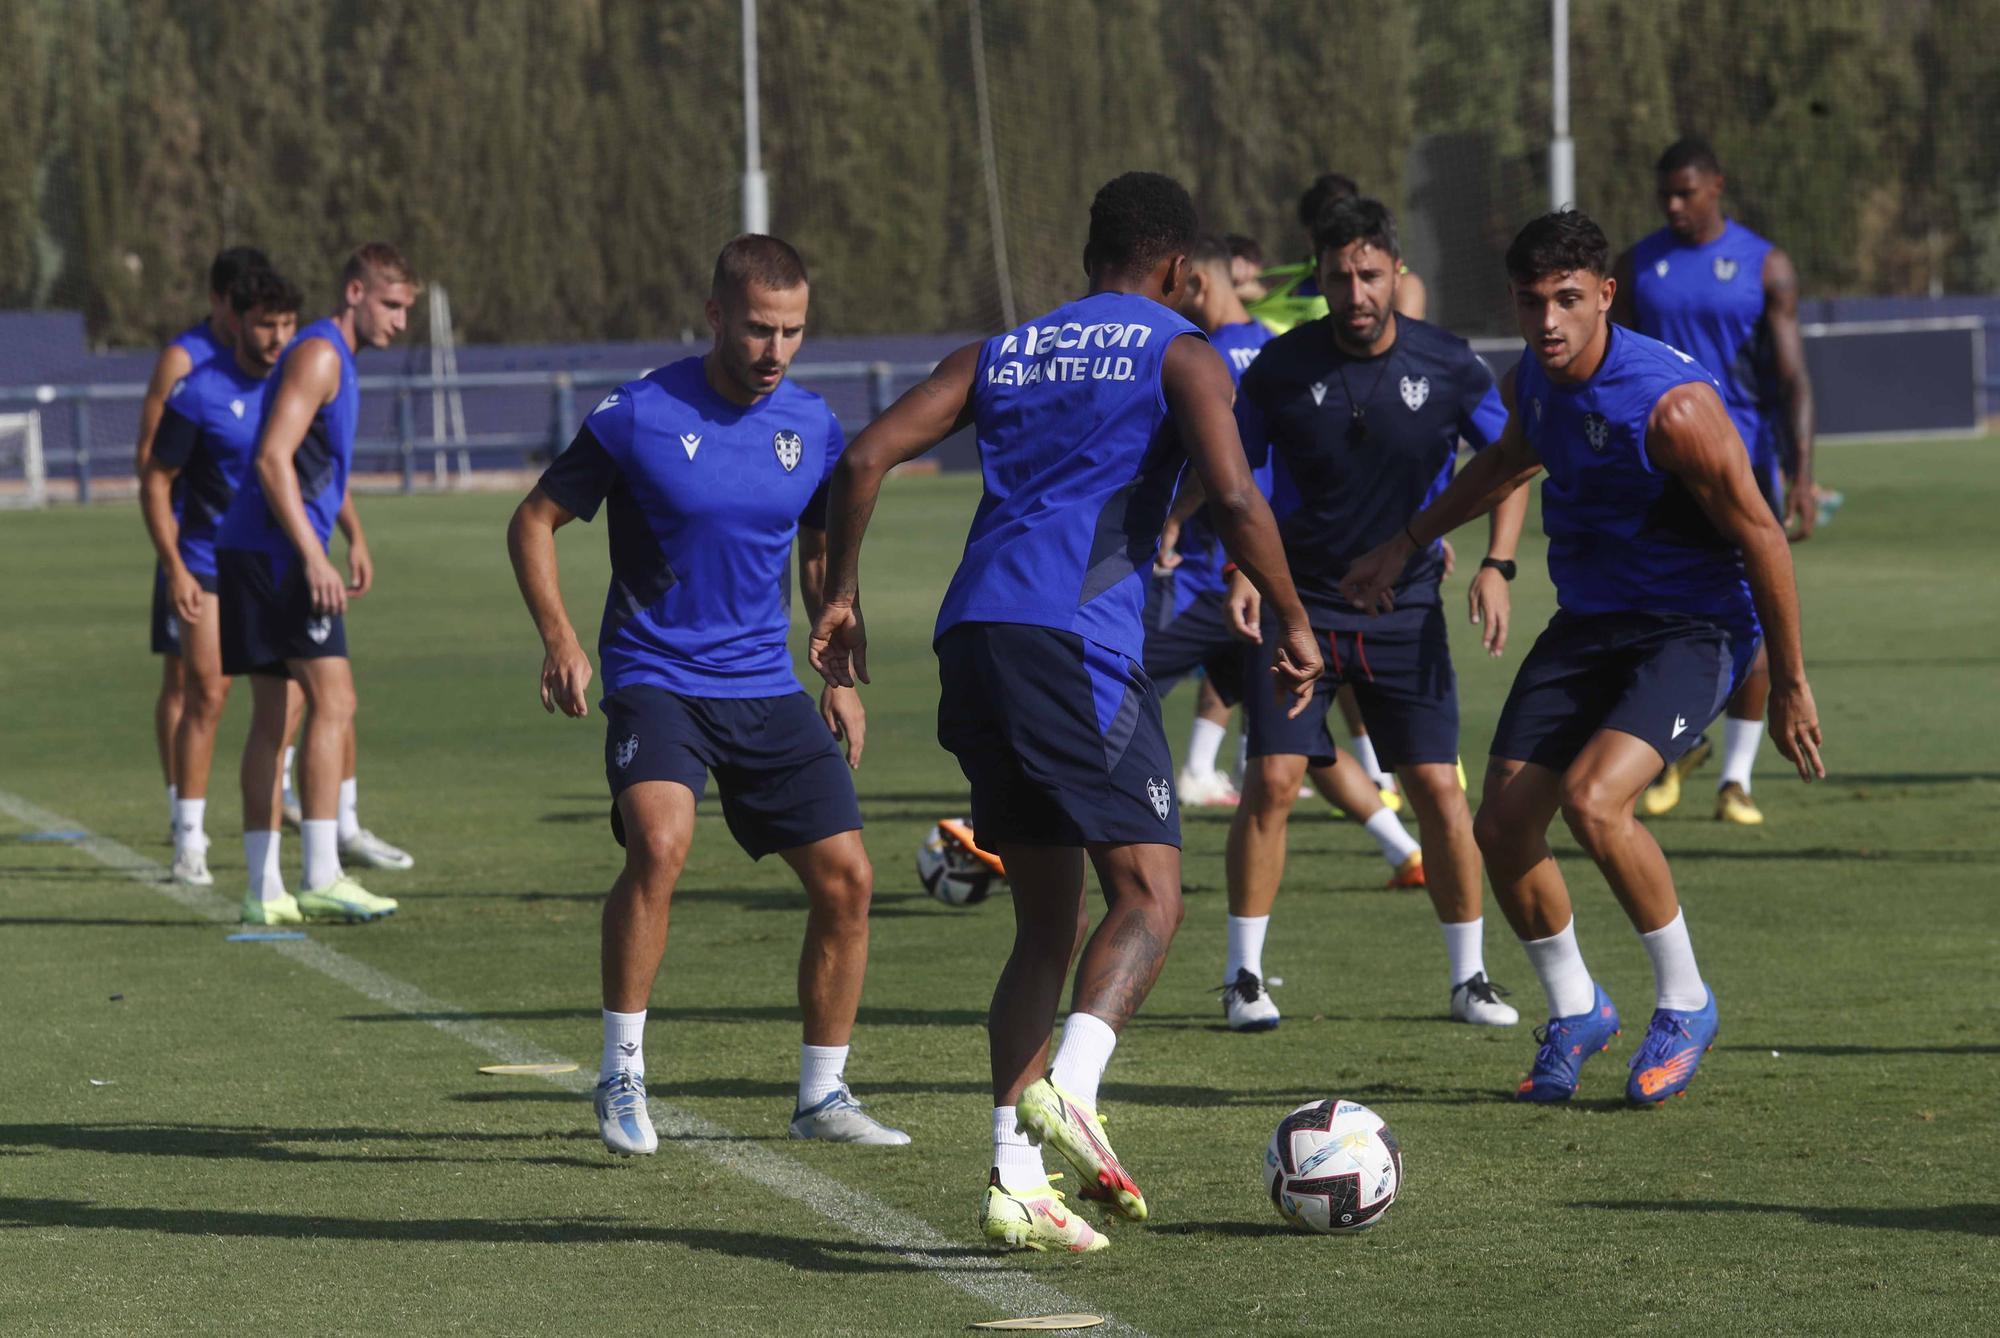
756	191
1562	149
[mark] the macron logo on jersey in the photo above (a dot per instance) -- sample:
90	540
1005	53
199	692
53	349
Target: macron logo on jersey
690	442
1011	365
609	401
1319	393
236	407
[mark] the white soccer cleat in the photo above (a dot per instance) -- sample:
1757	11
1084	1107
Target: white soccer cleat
1477	1001
290	813
839	1118
367	849
1215	790
191	867
1247	1004
622	1119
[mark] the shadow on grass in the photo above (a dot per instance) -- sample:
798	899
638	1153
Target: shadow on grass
1849	1051
1250	1230
818	1256
1974	1219
257	1142
1838	855
103	922
1113	1093
868	1017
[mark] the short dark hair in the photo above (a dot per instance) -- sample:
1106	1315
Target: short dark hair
1210	249
266	289
768	262
1560	243
1244	248
379	259
1138	220
230	262
1327	188
1691	151
1356	219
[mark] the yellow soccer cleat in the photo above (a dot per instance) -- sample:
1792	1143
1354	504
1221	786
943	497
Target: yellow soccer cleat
1036	1219
1663	794
344	899
1734	804
1391	800
1050	1117
283	911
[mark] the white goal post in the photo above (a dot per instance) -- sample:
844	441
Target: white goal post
24	477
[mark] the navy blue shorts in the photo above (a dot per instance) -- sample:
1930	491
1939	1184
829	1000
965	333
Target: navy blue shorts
1661	677
783	779
165	624
267	614
1197	637
1060	737
1403	682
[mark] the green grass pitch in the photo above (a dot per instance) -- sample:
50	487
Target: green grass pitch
273	1151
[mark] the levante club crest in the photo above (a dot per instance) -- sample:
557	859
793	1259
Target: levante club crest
789	448
1162	796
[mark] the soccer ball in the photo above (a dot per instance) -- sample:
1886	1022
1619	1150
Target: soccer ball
1333	1166
949	871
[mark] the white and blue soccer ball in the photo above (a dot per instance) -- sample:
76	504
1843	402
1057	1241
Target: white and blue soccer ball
1333	1167
950	872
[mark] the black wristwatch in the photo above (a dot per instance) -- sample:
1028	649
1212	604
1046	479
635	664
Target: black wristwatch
1505	566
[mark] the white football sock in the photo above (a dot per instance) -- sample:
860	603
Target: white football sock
1676	979
1740	740
285	774
173	797
820	1067
1560	966
188	818
624	1044
1465	949
1204	742
1246	946
1018	1161
260	852
1390	835
350	822
1087	1043
322	842
1363	749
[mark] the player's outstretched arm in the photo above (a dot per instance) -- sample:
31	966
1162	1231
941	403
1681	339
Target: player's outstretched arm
311	379
173	364
1788	348
1200	397
1691	436
929	412
1494	475
531	546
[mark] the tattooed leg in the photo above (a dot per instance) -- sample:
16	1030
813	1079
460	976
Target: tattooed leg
1123	958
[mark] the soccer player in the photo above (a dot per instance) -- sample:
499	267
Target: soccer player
1728	298
1187	621
1246	263
1292	293
1363	411
709	468
200	343
1667	563
206	437
282	600
1084	418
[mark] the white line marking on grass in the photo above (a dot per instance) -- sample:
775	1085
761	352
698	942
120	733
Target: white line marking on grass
983	1277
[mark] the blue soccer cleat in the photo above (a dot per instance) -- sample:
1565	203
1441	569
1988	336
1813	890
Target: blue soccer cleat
1665	1062
1566	1043
622	1120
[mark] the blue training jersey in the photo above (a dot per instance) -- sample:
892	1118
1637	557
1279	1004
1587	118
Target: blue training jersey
200	343
1708	302
209	433
1079	460
1624	535
1339	489
322	460
705	497
1201	551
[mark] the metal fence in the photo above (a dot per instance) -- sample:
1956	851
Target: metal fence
75	441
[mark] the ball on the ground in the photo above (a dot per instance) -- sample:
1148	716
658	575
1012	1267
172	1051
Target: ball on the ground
1333	1166
950	872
